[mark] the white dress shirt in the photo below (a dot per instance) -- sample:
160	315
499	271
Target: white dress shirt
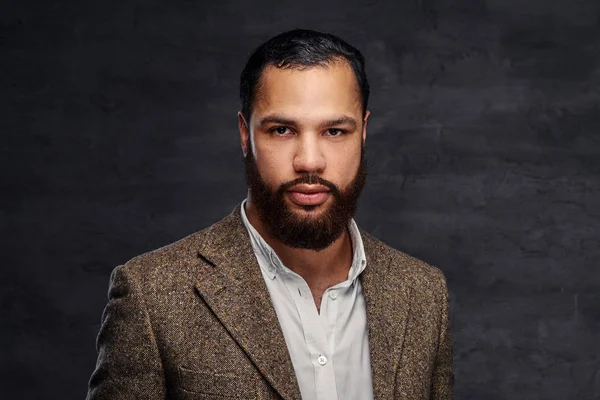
330	349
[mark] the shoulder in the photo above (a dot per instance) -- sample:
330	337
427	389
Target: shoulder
173	260
420	275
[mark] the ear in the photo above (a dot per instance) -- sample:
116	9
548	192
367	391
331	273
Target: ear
244	133
364	131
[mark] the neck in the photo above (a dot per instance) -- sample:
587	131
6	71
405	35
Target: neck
326	267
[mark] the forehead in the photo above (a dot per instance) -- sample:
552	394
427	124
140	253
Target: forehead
312	91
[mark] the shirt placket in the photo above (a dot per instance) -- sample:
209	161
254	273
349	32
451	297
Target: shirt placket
315	334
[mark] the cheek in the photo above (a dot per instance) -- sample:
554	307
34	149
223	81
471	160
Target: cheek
272	165
346	160
343	169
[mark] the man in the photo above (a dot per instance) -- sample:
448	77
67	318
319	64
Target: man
286	298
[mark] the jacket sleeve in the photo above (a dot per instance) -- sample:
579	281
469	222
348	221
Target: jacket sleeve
443	376
128	365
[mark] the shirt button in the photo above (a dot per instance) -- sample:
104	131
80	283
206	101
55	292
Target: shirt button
322	360
333	294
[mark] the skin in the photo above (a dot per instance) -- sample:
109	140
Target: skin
307	121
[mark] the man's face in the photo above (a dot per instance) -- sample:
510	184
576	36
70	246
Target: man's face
304	153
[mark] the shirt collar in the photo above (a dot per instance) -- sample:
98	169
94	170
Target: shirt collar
273	263
262	250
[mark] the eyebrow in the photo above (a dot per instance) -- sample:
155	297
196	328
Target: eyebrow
279	119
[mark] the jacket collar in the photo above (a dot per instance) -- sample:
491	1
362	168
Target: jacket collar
236	292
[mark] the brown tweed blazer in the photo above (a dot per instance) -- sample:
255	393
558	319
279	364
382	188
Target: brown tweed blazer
194	320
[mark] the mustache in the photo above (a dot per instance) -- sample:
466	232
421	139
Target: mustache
310	179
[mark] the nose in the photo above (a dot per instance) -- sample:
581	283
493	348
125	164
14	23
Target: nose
309	156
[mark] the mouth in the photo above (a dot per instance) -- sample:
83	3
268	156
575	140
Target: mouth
309	195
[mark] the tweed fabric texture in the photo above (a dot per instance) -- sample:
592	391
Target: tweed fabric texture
194	320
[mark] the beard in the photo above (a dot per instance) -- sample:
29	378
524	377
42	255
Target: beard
311	232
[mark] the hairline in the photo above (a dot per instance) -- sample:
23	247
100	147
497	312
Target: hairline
324	64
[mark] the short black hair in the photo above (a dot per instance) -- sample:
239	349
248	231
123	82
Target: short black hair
299	49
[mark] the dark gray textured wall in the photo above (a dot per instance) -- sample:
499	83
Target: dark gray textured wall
119	136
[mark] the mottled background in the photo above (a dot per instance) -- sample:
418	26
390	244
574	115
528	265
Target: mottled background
118	123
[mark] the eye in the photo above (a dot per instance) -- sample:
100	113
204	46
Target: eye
335	132
280	130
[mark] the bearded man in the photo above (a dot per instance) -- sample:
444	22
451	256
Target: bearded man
285	298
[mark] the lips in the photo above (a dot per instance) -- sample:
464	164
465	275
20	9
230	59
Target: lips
309	195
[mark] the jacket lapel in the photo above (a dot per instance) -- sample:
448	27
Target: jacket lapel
387	296
235	291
